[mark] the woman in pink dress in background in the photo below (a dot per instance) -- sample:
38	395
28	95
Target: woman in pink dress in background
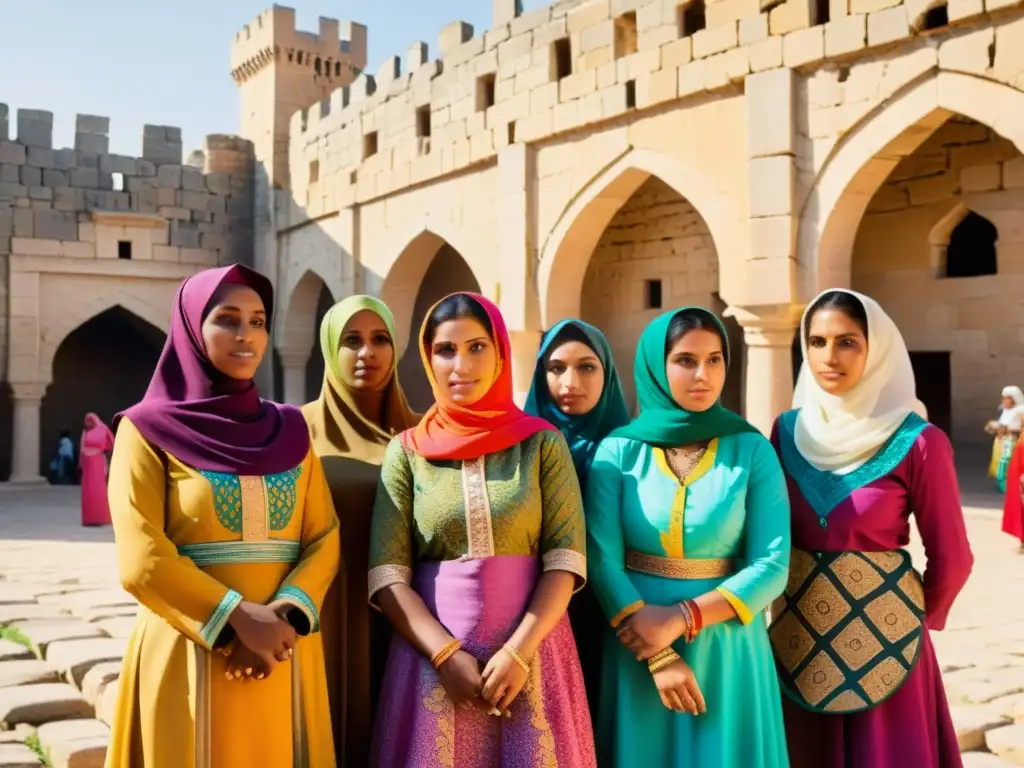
97	442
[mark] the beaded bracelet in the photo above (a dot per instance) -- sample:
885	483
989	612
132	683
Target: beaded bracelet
662	660
516	657
445	653
693	617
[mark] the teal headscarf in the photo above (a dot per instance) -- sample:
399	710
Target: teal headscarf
584	432
662	422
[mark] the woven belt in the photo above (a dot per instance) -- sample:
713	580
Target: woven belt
679	567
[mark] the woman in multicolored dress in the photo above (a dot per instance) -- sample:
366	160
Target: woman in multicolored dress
360	408
1006	433
688	535
851	634
576	387
227	536
477	544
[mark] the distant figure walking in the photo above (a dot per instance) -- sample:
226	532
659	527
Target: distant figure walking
97	442
62	466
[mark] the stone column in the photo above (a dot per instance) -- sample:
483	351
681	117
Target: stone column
293	365
27	397
768	331
525	345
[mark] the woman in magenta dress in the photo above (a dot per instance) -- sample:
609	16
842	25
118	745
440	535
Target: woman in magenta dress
851	633
97	442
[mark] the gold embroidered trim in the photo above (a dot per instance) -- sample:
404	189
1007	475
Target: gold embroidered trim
679	568
565	560
255	517
479	534
546	756
438	703
626	612
386	575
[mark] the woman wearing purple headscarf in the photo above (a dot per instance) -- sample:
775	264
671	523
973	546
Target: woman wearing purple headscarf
227	536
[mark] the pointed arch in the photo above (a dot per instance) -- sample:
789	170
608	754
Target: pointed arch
297	324
863	159
566	253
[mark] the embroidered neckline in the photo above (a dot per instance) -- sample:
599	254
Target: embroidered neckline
825	490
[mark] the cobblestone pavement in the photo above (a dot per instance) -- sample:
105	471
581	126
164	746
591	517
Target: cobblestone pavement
59	589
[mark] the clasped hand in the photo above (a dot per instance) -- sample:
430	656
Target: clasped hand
491	691
651	630
264	638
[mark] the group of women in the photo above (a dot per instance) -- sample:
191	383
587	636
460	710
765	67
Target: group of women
353	584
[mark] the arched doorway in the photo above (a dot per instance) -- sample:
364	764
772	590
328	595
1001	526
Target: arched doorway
103	367
298	363
940	246
656	253
433	265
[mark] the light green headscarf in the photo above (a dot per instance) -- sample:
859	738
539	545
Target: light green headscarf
662	422
337	425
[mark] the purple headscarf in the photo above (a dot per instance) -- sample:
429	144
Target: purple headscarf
203	417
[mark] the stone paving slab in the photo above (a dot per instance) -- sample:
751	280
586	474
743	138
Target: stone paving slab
121	626
984	760
11	594
26	612
98	678
11	651
1007	743
27	672
75	743
107	613
89	598
38	704
18	756
74	658
44	632
971	724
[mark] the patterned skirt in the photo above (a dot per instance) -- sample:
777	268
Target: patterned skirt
481	602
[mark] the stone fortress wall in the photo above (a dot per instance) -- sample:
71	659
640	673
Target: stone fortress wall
83	231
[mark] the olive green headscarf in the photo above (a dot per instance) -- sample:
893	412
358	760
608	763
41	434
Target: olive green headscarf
337	425
662	422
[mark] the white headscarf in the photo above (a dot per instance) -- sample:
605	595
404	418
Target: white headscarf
839	433
1013	418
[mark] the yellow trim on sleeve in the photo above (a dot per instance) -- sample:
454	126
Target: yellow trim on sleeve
742	611
626	612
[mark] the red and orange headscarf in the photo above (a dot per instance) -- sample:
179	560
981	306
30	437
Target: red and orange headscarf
492	424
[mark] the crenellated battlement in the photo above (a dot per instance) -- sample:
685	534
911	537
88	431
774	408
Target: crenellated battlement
334	51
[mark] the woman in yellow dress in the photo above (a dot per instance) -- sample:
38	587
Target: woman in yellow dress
360	408
226	535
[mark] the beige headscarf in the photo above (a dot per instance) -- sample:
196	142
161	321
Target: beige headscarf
838	433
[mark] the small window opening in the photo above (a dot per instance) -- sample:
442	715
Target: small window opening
317	65
423	122
972	248
369	145
353	178
934	18
652	294
337	69
631	94
511	128
291	56
314	171
822	12
692	18
844	74
561	58
625	35
124	249
485	86
298	57
117	179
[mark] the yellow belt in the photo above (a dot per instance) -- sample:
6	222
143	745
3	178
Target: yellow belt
679	567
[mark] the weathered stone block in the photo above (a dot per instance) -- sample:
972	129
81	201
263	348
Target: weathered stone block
30	177
127	166
17	755
144	201
92	144
55	178
192	179
74	658
888	26
10	191
587	15
1007	742
196	201
218	183
11	153
65	159
68	199
87	178
11	651
54	225
41	157
169	176
43	703
75	743
770	121
24	226
803	47
753	29
981	178
453	35
27	672
35	128
40	194
146	169
95	124
708	42
505	11
184	234
92	162
846	35
772	183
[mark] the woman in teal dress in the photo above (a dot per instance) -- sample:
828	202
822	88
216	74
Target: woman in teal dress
688	537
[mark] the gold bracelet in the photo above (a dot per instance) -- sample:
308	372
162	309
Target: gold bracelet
516	657
445	653
661	655
657	666
688	618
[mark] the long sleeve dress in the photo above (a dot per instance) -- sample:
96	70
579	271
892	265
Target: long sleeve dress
869	511
732	506
191	546
473	537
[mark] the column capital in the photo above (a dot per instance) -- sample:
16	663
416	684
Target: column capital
28	391
291	358
767	325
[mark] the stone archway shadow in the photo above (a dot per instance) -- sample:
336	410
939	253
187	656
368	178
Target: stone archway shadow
565	254
863	159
